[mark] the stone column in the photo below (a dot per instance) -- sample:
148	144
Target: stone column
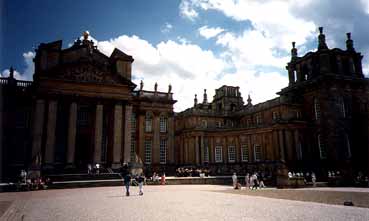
197	150
98	132
281	145
298	146
127	133
289	144
38	124
50	139
72	133
202	149
141	138
156	141
117	137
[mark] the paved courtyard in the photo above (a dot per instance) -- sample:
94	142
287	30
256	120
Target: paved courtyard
196	202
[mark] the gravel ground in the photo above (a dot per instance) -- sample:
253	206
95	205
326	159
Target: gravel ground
327	196
187	202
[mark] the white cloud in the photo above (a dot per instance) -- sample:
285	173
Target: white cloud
27	73
210	32
187	11
184	65
167	27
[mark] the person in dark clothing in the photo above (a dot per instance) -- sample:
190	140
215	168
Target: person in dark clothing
127	182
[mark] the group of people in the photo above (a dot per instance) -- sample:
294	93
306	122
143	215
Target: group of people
27	182
254	181
308	177
158	179
192	172
128	179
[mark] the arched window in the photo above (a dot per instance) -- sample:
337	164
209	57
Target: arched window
163	124
148	122
316	109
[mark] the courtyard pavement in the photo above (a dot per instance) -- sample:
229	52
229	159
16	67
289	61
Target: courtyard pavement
176	202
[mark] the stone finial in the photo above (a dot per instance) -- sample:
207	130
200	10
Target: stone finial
11	72
249	100
349	43
86	34
293	51
169	88
141	85
321	43
156	86
195	100
205	100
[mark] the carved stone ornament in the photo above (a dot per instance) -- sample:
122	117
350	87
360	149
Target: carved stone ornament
87	73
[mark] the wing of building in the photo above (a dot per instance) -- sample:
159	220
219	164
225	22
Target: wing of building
82	108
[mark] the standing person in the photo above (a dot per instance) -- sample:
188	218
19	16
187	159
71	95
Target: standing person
255	180
247	181
140	180
234	179
313	179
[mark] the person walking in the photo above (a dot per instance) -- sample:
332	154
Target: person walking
127	182
140	180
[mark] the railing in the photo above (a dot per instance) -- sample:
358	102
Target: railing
153	95
19	83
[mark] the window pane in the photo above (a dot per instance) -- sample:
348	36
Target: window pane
147	151
163	151
218	154
231	154
244	152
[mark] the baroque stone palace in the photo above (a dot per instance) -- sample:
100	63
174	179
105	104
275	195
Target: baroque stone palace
83	108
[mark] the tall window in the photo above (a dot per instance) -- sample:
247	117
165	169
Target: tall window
218	154
147	151
163	124
316	109
133	122
231	154
257	152
248	122
148	122
322	148
244	152
206	154
275	115
343	107
163	151
348	147
299	151
258	119
133	148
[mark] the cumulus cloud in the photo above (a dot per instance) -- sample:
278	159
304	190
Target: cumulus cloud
187	11
27	73
207	32
166	28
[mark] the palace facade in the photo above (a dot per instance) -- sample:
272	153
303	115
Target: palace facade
82	108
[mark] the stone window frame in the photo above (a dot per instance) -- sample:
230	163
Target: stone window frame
163	123
148	122
148	150
259	119
316	108
231	153
218	154
322	148
275	115
257	152
244	152
163	150
204	123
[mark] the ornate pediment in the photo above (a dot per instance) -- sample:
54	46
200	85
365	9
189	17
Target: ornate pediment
89	73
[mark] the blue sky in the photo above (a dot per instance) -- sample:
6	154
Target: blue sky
191	44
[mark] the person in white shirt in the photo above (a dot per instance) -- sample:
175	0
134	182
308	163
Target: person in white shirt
234	179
